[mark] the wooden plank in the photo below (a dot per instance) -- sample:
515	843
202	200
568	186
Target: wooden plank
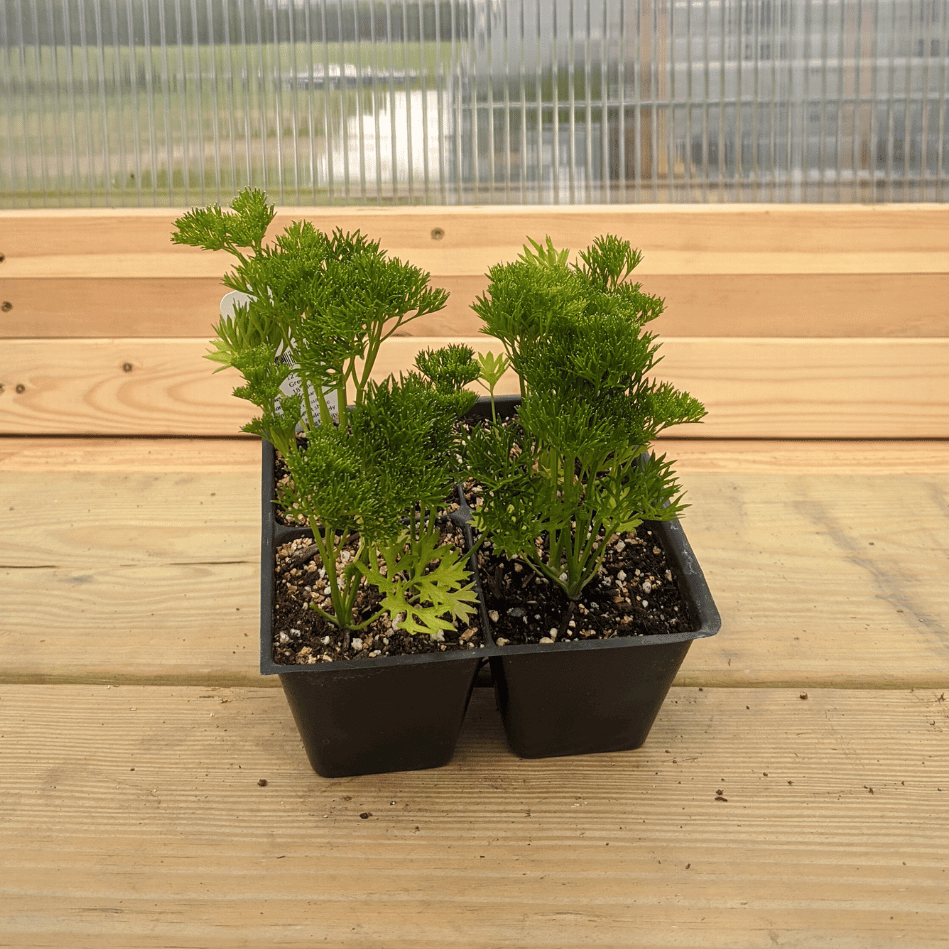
803	305
724	229
154	623
821	578
123	455
130	518
808	388
831	271
135	817
115	306
780	388
771	305
473	262
815	457
117	386
119	306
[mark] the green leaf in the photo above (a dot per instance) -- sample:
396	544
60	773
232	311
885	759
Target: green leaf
213	228
492	368
448	368
427	584
545	255
609	261
329	481
403	434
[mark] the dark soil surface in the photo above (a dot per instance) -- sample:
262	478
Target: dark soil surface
302	636
634	594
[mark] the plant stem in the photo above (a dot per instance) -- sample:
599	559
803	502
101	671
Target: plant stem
325	416
565	619
330	554
305	386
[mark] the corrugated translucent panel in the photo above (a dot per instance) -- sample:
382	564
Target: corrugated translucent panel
178	102
171	102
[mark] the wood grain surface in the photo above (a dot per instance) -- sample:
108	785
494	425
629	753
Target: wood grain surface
722	228
438	258
135	817
769	305
226	456
764	388
834	271
822	577
220	456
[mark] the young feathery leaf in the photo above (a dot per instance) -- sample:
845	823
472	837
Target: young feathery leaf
213	228
425	585
492	368
608	262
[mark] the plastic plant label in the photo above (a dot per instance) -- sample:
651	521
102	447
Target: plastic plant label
292	385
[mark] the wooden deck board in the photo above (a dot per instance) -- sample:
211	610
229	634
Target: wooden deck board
773	305
830	229
134	817
764	388
135	728
242	454
130	518
824	577
183	455
437	258
143	564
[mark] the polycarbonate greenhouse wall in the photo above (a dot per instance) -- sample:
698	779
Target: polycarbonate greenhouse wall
178	102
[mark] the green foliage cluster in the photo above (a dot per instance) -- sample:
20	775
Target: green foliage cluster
573	471
378	471
559	482
324	303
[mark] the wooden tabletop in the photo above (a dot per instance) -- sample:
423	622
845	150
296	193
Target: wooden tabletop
794	790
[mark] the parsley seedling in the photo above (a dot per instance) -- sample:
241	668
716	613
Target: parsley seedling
378	475
571	472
